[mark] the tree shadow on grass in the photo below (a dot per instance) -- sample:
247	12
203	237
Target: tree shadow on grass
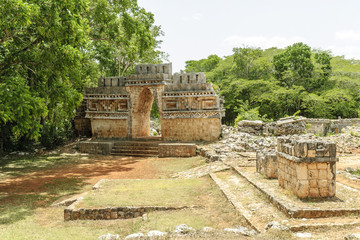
16	207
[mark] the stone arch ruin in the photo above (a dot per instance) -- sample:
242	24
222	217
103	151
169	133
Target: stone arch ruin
190	109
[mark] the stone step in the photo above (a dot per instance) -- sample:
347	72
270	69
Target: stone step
248	200
135	147
135	154
150	144
138	148
136	151
152	138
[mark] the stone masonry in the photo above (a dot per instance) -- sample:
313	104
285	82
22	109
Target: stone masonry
307	167
266	163
189	108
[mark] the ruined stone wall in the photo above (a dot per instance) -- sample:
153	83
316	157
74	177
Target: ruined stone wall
307	167
191	129
177	150
109	128
325	126
266	164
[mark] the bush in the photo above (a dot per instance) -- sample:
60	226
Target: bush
54	135
252	114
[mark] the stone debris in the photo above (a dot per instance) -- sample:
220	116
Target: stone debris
183	229
252	127
276	225
156	234
135	236
352	236
303	235
109	237
347	140
208	229
241	230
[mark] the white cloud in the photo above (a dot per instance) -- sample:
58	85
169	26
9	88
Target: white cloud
348	35
261	41
349	51
196	16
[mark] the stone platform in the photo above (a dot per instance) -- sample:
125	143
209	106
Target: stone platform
262	203
293	207
141	147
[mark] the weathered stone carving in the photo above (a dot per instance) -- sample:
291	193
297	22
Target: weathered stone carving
179	97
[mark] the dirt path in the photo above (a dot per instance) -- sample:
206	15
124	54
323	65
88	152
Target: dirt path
104	167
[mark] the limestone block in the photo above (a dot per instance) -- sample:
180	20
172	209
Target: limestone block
302	171
313	183
300	149
314	192
323	183
311	153
323	166
323	174
302	188
324	192
312	166
313	174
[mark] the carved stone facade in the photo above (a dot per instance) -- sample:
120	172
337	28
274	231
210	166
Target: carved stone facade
189	108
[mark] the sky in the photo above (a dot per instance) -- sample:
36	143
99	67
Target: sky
195	29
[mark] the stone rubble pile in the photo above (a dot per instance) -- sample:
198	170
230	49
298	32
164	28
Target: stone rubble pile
181	230
234	143
284	126
254	136
347	140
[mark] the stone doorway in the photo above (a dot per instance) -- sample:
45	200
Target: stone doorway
141	113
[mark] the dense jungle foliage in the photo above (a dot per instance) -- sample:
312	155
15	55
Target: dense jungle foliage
50	50
273	83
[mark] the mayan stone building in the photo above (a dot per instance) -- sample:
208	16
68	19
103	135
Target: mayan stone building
189	108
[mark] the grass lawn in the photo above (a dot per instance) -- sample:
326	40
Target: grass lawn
149	192
29	185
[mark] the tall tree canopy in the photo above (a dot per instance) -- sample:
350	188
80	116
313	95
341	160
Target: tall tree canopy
273	83
50	50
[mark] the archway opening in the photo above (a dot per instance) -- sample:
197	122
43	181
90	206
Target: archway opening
155	124
144	108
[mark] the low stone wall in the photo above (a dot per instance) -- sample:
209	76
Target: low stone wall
307	167
324	126
112	213
266	164
177	150
94	147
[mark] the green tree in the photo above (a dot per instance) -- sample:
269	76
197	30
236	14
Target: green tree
299	66
250	64
203	65
50	50
122	34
